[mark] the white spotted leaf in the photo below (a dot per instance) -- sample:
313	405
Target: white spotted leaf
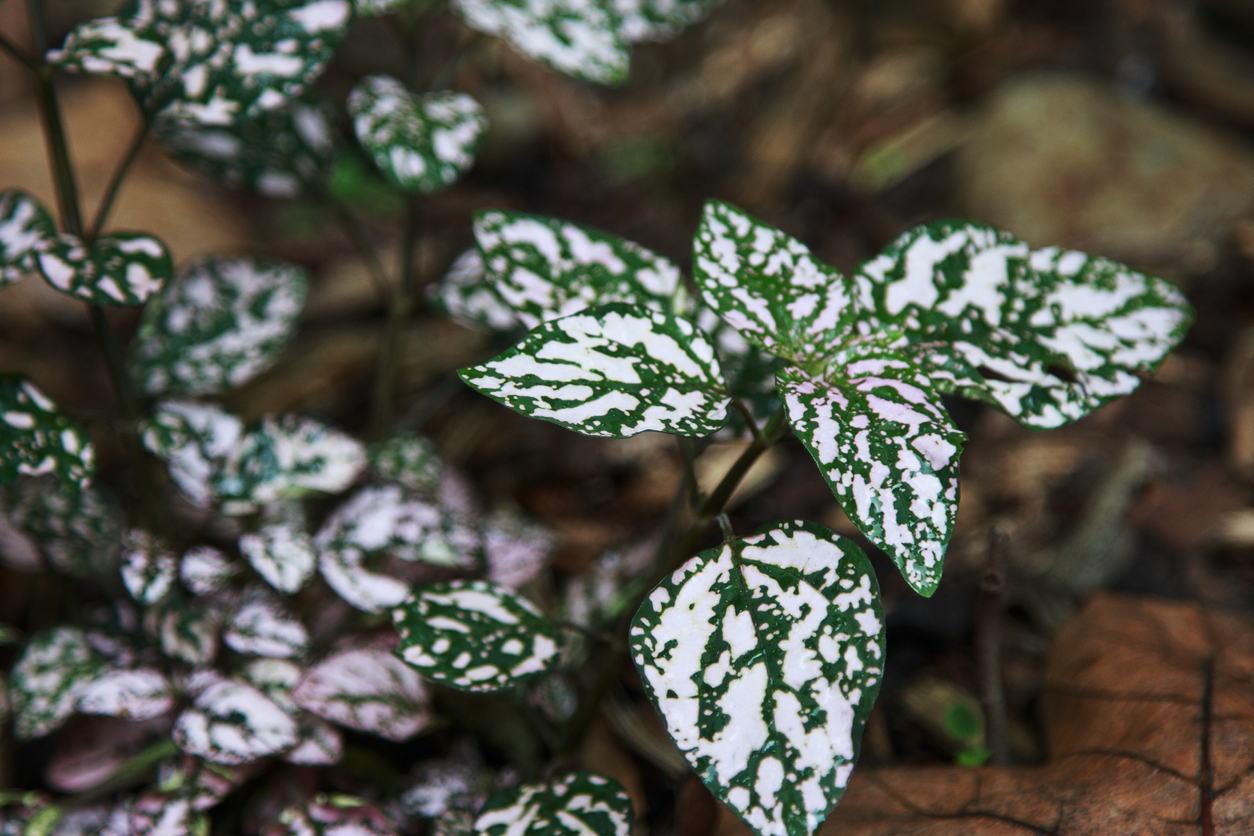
536	268
196	441
187	633
577	37
577	804
331	815
369	690
204	570
231	723
36	438
476	636
320	743
123	268
26	229
420	143
888	450
221	322
133	694
281	153
410	459
48	678
210	63
769	286
764	656
613	371
517	549
656	20
282	554
79	532
1045	335
262	626
148	567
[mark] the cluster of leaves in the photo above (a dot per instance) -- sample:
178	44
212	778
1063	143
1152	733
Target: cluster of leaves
762	655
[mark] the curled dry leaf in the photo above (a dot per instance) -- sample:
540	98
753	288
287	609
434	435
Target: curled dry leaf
1149	714
369	690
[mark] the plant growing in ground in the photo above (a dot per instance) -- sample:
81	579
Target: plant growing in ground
253	638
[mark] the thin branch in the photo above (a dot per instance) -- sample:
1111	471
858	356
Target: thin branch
18	54
119	175
747	414
398	314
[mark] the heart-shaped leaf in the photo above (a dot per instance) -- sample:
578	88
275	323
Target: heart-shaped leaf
420	143
187	633
220	323
124	268
763	657
233	723
35	438
541	268
280	153
262	627
204	570
196	441
134	694
368	689
26	230
1059	332
578	804
48	679
612	371
282	554
476	636
889	452
769	287
287	457
148	568
210	63
331	815
576	37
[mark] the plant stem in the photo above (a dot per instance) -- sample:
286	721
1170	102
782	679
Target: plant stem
18	54
988	614
352	228
115	183
398	314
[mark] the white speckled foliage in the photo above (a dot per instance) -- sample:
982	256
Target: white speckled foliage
48	679
869	357
369	690
204	570
210	63
187	633
420	143
282	554
26	230
281	153
196	440
123	268
320	743
577	804
410	459
655	20
331	815
262	626
231	722
764	657
220	322
133	694
612	371
476	636
148	567
78	532
36	438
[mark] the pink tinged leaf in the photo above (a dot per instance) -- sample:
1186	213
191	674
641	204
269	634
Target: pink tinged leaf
518	549
321	744
234	723
163	814
331	815
370	690
93	748
139	694
148	569
204	570
262	627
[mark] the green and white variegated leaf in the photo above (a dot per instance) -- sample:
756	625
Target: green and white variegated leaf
612	371
187	633
764	657
770	287
26	230
79	532
48	679
517	548
577	37
465	296
148	568
262	626
749	371
233	723
204	570
369	690
374	8
345	572
476	636
124	268
36	438
888	450
1023	315
220	323
133	694
331	815
419	143
455	784
320	742
657	20
280	153
282	554
287	457
210	63
543	268
578	804
410	459
196	440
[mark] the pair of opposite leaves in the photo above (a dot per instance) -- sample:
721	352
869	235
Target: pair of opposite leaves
951	307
